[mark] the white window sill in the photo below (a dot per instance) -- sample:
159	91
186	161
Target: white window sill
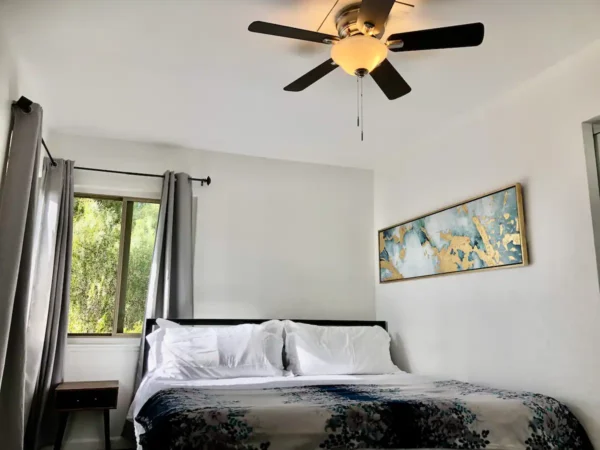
87	342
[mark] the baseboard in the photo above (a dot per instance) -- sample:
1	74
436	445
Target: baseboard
116	443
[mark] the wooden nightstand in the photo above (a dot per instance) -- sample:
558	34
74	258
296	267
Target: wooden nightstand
85	396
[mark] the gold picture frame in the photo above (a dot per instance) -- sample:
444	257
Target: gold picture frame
495	240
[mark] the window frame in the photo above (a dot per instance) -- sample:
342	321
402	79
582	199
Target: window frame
122	264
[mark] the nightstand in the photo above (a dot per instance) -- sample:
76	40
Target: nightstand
85	396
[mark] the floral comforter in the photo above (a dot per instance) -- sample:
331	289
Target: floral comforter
433	415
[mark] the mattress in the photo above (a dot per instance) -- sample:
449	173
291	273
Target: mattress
367	411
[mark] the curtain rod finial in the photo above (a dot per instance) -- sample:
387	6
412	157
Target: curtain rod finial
208	181
24	104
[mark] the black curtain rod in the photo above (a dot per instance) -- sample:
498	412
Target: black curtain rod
24	104
206	180
48	153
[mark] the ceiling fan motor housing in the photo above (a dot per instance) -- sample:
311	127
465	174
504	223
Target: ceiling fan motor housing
346	21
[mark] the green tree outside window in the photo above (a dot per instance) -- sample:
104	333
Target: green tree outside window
97	235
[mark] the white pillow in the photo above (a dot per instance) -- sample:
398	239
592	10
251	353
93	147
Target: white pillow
250	350
246	350
154	341
187	353
317	350
165	323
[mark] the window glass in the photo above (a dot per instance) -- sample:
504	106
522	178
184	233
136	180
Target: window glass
143	233
113	243
96	240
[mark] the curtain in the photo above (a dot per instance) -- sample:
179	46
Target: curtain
171	284
170	289
36	214
49	310
17	205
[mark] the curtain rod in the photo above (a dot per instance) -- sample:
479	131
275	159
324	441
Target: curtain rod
24	104
206	180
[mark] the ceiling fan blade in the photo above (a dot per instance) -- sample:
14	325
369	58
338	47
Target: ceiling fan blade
376	13
311	77
292	33
390	81
469	35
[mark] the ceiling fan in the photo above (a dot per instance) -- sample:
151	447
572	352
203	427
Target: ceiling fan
359	50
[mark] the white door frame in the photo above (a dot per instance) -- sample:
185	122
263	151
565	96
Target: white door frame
591	128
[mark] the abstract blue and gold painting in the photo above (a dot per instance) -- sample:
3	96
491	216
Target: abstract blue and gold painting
483	233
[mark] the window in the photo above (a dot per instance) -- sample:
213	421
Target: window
113	242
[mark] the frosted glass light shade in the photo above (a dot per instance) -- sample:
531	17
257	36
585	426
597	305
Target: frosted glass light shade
359	52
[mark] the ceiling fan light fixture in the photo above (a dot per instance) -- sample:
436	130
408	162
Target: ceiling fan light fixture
359	53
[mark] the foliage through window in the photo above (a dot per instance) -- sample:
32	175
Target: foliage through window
113	241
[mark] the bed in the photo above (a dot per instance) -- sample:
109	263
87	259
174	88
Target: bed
396	411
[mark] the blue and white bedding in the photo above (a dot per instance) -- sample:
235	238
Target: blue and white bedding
399	411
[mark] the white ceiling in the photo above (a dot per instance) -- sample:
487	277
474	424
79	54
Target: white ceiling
189	73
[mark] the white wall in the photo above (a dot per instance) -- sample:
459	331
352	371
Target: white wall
274	239
534	328
15	80
7	95
99	358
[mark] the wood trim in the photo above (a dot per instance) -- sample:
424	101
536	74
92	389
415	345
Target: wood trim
91	408
119	198
98	196
85	385
89	334
141	200
120	266
127	204
122	277
105	335
522	226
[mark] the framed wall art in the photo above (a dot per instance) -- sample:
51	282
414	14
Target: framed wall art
486	232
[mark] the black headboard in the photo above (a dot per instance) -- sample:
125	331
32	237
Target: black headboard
150	323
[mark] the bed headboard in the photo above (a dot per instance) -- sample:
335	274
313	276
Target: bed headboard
151	323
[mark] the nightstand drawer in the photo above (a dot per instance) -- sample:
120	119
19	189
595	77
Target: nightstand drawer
86	399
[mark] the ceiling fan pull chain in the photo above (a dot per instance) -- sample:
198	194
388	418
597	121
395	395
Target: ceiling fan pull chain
362	117
357	103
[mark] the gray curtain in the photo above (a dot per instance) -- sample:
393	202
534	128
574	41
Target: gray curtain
49	310
35	265
170	289
17	218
